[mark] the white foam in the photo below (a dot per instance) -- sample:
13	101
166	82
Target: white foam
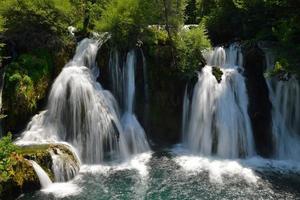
61	190
138	162
244	169
217	169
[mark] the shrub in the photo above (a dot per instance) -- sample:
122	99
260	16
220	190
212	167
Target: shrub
190	44
123	19
42	22
7	148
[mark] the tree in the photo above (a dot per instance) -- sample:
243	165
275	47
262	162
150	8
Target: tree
42	22
89	12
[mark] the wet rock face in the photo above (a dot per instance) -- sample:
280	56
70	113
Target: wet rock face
259	102
39	154
166	90
159	111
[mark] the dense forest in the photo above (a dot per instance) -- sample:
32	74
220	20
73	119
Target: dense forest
39	37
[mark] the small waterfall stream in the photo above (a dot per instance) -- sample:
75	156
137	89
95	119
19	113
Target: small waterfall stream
43	177
285	98
215	119
134	132
123	83
64	166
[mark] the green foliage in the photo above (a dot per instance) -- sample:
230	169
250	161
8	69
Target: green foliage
88	13
287	32
32	29
2	23
154	35
172	13
128	20
190	44
122	19
27	80
269	20
42	22
7	148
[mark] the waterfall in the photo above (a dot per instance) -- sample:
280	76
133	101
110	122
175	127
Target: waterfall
215	119
116	75
43	177
80	111
186	110
285	98
133	132
63	167
65	162
129	82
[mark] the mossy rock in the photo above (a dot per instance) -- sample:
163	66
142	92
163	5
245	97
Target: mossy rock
39	154
217	72
65	150
23	179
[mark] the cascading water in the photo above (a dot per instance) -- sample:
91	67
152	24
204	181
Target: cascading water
43	177
125	77
80	111
134	132
116	75
65	165
285	98
215	120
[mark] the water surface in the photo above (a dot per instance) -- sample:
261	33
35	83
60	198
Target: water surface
175	174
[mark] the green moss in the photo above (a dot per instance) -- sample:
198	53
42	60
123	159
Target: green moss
41	155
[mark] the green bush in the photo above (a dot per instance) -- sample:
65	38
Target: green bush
190	44
35	24
123	19
7	148
260	20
